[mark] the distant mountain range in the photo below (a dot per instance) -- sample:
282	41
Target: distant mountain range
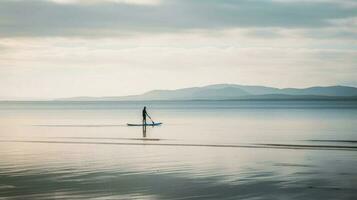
235	92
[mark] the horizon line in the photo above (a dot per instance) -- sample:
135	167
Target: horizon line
206	85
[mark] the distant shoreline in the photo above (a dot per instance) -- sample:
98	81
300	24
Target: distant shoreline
206	100
221	92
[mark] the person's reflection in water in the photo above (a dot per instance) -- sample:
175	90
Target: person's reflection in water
144	131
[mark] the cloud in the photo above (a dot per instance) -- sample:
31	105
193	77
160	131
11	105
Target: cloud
339	2
135	2
264	33
73	18
345	22
57	67
53	48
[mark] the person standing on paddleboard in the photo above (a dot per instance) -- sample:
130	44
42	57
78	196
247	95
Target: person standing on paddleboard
144	116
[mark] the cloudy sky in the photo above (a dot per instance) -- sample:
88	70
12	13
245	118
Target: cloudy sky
63	48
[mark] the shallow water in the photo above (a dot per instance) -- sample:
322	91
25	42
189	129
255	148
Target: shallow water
204	149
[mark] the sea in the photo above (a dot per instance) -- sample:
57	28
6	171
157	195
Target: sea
262	149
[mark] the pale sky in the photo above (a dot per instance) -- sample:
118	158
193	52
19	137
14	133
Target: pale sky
65	48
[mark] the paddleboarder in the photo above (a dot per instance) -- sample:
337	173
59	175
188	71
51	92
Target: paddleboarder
144	116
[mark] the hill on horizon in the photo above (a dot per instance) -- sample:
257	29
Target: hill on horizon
234	91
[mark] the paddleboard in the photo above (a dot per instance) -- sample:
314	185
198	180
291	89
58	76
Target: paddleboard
147	124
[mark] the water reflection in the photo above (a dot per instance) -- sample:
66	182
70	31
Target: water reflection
64	171
144	131
87	152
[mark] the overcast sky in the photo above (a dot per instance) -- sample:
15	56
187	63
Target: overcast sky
63	48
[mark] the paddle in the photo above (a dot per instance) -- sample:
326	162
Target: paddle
150	119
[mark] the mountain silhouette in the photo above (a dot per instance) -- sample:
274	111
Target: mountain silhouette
234	91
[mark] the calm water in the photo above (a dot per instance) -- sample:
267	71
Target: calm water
204	150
